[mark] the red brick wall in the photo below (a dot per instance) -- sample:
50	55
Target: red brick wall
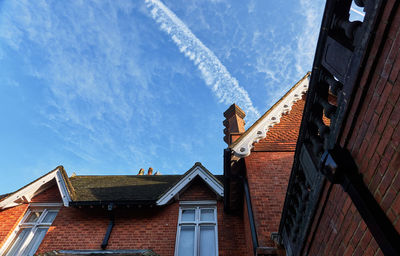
9	219
247	230
375	145
268	175
375	142
151	228
231	238
197	190
341	230
49	195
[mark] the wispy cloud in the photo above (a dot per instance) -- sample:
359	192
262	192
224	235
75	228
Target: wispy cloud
307	40
90	71
215	74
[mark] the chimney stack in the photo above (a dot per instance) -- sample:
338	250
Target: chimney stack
150	171
141	171
234	123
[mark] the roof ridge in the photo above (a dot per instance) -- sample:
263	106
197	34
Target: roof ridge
243	145
120	175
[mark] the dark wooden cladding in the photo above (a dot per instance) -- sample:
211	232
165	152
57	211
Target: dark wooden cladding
341	47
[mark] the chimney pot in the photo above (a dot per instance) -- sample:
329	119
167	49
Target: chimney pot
141	171
150	171
234	123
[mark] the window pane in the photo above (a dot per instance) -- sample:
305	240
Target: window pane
35	242
207	215
50	216
33	217
188	215
207	241
20	239
186	241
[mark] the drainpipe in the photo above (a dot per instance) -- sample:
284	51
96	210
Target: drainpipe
250	214
109	228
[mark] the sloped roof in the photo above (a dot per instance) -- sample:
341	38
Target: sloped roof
277	129
143	189
283	135
122	187
118	189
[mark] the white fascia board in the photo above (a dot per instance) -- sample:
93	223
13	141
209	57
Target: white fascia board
260	130
197	171
62	187
27	193
203	202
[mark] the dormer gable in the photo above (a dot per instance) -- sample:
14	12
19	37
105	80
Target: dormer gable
32	191
196	173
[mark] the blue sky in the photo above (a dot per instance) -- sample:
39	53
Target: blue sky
109	87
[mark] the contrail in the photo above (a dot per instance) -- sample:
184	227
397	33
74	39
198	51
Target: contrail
215	74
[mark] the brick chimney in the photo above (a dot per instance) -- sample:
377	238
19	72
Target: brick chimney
234	123
150	171
141	171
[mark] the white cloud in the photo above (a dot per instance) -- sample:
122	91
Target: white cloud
215	74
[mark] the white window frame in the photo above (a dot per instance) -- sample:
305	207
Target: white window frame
197	206
38	207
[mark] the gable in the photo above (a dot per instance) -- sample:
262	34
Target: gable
197	190
279	111
56	177
198	170
51	194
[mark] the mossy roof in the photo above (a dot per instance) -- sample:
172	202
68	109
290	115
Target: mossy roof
123	188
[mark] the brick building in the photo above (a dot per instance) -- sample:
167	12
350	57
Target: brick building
185	214
317	174
122	215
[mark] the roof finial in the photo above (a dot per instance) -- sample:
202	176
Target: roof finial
150	171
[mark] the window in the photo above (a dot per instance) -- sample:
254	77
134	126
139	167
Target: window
31	231
197	230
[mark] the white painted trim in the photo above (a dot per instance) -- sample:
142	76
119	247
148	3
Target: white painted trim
260	130
26	194
62	188
197	171
197	223
205	202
